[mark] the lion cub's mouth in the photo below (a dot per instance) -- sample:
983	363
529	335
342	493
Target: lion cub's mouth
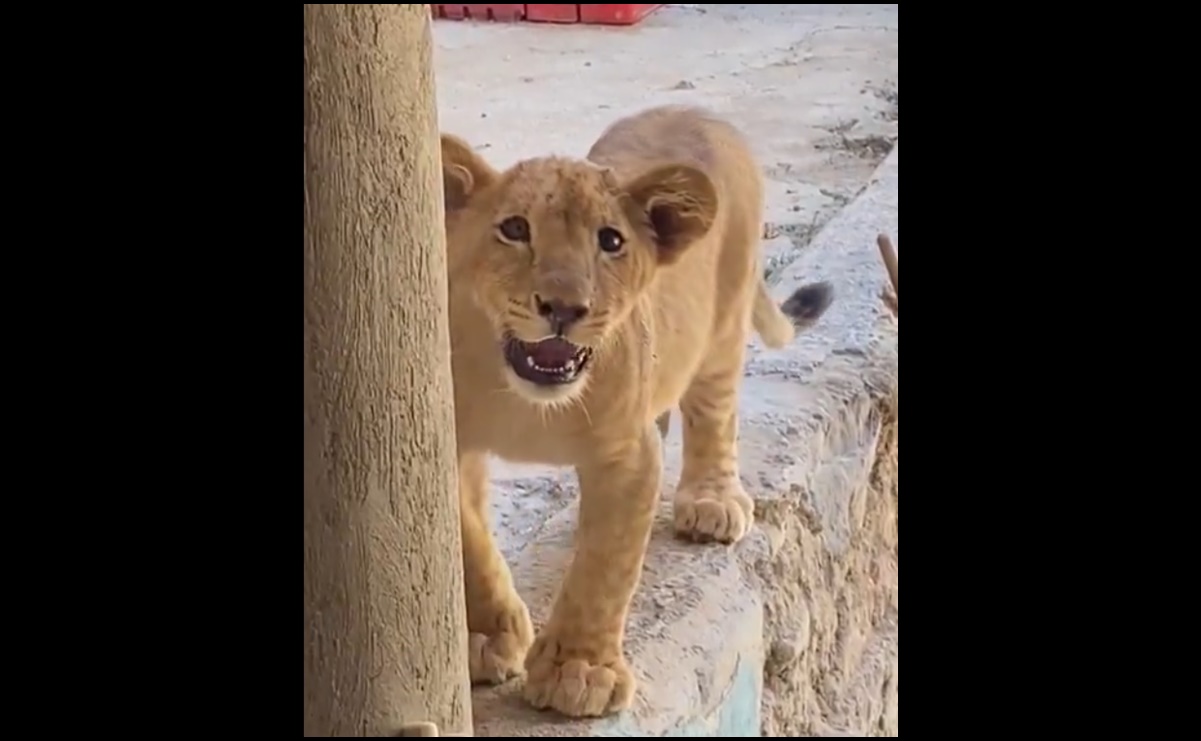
549	362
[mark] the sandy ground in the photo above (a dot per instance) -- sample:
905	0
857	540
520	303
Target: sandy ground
814	86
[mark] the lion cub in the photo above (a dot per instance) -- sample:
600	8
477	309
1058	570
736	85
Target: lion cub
588	298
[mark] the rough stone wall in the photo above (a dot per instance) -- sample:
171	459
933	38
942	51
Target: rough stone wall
830	586
828	499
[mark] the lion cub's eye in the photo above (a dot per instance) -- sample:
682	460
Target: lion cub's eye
610	239
515	229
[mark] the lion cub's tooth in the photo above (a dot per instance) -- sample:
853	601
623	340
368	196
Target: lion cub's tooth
529	361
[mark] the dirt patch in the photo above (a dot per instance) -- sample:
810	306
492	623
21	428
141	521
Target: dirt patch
844	137
866	140
888	92
799	234
871	147
863	139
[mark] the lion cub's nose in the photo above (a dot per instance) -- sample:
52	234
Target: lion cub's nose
561	315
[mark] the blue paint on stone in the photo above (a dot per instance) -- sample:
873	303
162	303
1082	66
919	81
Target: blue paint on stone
736	717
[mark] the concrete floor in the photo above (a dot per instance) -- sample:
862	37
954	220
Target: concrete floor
814	86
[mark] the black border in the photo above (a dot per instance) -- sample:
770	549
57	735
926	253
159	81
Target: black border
191	451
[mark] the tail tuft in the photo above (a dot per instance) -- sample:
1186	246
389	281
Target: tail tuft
808	303
779	325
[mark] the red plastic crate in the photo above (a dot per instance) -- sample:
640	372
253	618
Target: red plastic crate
616	15
604	14
549	13
508	13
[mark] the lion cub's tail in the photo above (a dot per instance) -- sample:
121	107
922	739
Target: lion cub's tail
779	325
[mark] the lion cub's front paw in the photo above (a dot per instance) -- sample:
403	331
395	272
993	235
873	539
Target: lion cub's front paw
721	512
576	683
499	654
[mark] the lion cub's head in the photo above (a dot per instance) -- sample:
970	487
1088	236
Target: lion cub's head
556	252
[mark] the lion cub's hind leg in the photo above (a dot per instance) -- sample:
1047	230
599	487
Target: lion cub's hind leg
710	503
498	621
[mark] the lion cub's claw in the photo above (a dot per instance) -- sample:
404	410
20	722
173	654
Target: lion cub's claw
495	658
572	685
707	513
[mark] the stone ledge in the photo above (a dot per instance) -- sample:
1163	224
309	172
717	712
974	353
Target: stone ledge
695	642
792	632
825	452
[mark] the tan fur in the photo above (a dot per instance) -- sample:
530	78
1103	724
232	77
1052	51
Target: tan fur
667	321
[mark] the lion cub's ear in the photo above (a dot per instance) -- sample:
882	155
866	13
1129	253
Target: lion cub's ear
679	202
463	172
